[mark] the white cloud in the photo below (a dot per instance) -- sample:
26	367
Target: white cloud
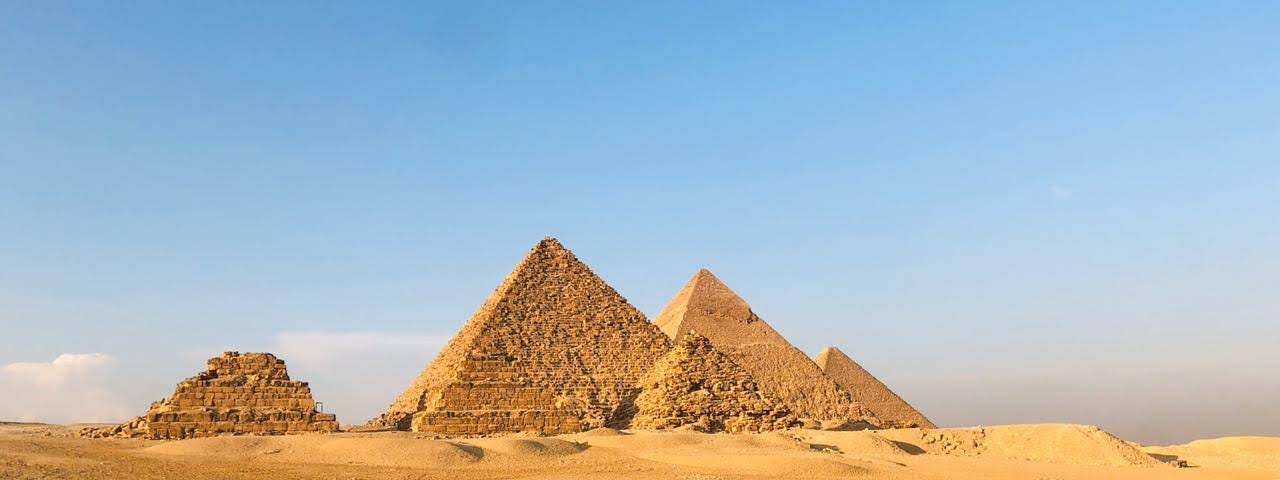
71	388
1059	191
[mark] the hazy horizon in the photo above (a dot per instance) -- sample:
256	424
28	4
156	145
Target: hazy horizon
1008	212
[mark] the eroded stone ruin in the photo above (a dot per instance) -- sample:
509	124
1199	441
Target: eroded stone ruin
553	350
238	393
697	387
707	305
891	409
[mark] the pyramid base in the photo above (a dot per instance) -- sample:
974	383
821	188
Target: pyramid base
214	422
488	422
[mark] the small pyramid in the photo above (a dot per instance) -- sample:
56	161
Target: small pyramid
707	305
697	387
553	350
238	393
891	409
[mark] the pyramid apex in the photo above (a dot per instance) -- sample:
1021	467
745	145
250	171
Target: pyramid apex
869	391
705	275
549	242
828	353
549	246
703	289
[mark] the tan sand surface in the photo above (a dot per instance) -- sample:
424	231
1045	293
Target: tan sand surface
1034	452
1229	452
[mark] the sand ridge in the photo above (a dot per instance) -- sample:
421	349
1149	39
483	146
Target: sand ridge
1046	443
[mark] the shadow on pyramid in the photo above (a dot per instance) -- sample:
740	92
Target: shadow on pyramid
553	350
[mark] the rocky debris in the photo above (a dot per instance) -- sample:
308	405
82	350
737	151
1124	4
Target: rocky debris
969	442
707	305
553	350
696	387
134	428
866	389
248	393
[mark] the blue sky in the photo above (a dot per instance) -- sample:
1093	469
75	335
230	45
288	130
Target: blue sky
1010	211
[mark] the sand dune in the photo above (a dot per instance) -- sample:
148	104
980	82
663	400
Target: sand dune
327	449
1233	452
1048	443
1045	451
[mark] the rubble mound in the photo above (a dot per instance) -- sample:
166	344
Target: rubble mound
707	305
553	350
1047	443
238	393
697	387
869	391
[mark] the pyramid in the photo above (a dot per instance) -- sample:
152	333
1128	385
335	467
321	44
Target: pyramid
706	305
553	350
697	387
891	409
238	393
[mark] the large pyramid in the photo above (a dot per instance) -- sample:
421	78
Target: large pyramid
238	393
554	349
697	387
891	409
709	307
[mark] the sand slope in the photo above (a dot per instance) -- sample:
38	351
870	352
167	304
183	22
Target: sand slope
1261	453
1048	443
1040	452
327	449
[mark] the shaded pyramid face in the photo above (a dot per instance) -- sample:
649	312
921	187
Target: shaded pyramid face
554	349
238	393
708	306
891	409
698	387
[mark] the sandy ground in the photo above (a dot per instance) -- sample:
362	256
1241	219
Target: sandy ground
1023	452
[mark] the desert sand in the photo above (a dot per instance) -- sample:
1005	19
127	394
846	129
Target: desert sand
1036	452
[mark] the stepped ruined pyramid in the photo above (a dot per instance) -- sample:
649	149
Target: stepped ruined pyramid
553	350
698	387
238	393
891	409
708	306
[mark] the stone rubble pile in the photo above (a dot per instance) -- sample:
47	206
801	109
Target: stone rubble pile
248	393
697	387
